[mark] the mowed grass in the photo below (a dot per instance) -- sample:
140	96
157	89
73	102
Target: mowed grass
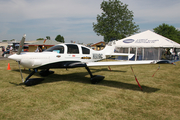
68	94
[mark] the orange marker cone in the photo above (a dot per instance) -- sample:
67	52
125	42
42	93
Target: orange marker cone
8	68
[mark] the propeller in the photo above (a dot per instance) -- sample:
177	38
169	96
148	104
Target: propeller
21	44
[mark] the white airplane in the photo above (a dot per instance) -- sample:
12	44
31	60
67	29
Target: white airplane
69	55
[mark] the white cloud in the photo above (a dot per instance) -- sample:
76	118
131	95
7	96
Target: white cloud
48	16
16	10
73	18
155	11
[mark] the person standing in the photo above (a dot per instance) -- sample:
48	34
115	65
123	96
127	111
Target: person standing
11	48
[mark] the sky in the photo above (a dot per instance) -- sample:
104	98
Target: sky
73	19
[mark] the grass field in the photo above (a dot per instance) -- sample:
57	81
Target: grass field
68	94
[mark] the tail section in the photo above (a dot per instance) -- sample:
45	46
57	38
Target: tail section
109	51
109	48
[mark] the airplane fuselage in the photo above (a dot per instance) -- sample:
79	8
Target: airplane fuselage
58	56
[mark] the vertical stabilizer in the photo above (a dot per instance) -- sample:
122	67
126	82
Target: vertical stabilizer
109	48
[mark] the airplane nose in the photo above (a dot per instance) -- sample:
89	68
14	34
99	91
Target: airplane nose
15	57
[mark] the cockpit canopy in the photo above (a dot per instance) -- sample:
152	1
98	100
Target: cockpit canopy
71	49
56	48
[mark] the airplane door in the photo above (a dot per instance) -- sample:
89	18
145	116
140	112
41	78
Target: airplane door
73	52
86	56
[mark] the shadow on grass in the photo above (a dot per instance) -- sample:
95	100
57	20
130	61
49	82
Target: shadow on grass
80	77
129	86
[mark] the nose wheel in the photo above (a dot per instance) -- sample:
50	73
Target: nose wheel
32	81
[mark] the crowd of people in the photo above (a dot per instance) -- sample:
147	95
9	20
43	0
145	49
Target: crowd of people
40	49
8	50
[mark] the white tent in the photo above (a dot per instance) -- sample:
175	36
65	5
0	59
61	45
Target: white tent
145	43
147	39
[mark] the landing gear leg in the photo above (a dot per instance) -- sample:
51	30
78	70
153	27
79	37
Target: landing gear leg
94	78
32	81
32	73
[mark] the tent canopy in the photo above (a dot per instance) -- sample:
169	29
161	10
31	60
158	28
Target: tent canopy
147	39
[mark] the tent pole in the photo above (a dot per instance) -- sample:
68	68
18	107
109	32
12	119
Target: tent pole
142	53
128	53
136	54
159	53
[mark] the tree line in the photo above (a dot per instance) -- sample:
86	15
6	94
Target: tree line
58	38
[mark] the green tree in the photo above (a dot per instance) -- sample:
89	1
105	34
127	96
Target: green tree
116	21
168	31
48	38
40	39
59	38
4	40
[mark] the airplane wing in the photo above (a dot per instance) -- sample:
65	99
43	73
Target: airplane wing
91	64
121	54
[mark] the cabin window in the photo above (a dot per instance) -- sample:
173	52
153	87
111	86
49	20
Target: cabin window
72	49
57	48
85	50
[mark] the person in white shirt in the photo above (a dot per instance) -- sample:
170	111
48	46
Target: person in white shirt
11	48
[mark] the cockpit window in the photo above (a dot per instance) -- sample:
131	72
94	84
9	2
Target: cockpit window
57	48
72	49
85	50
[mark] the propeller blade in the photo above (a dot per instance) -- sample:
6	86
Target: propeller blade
21	44
20	71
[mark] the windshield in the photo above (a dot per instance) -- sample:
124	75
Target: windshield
57	48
